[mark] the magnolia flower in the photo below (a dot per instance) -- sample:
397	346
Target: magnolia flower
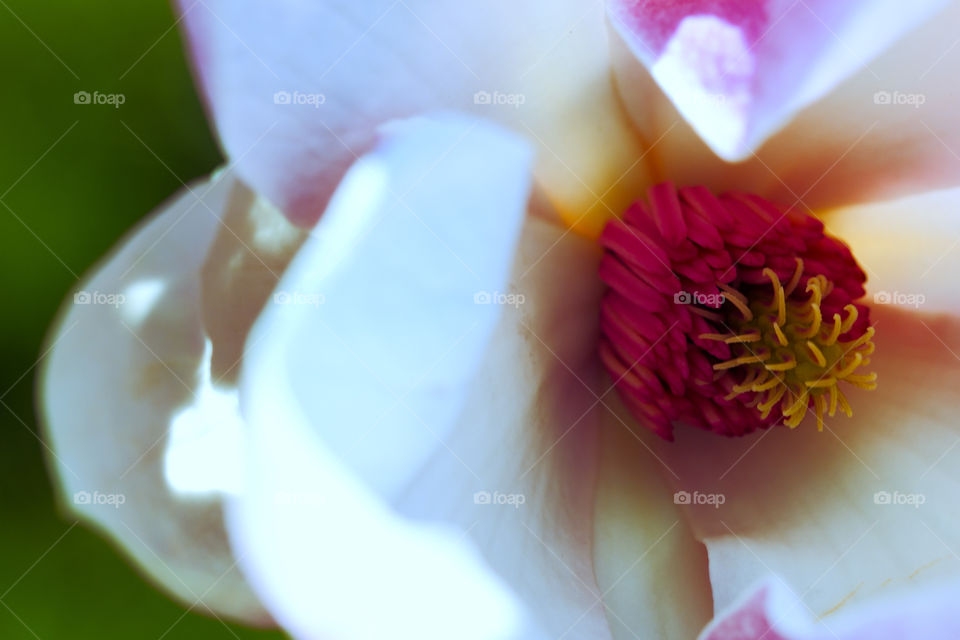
396	422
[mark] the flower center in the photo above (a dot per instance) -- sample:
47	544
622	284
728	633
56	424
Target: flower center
729	313
793	355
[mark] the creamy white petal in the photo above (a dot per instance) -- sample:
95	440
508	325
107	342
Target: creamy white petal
424	443
652	572
908	247
124	361
866	507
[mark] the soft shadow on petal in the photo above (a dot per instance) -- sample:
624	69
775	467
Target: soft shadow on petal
296	90
867	506
423	440
772	612
124	362
652	572
909	248
739	71
887	130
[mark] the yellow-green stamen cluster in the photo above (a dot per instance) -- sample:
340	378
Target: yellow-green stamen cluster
793	357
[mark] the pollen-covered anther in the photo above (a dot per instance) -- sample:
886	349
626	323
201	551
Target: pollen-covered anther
729	313
796	359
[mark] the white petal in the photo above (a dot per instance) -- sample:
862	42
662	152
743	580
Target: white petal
123	363
297	89
909	249
866	507
423	438
652	572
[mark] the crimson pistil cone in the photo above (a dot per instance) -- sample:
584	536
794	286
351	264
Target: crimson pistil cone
729	313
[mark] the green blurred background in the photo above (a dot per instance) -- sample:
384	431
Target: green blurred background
73	178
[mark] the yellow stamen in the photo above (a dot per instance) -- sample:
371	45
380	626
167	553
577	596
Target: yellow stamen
792	359
729	364
819	403
781	366
720	337
778	294
767	405
850	367
816	354
782	339
795	280
835	332
738	300
769	384
852	315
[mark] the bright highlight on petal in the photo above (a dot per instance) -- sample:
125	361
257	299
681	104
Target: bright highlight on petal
729	313
347	399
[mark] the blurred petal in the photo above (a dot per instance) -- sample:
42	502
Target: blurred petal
887	130
739	71
651	571
297	89
125	362
910	249
773	612
867	506
421	439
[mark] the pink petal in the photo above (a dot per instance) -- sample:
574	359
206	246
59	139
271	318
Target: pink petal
771	611
739	71
541	66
